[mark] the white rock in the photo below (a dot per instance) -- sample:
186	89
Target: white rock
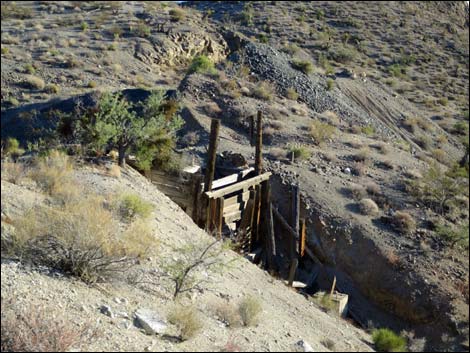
304	346
150	321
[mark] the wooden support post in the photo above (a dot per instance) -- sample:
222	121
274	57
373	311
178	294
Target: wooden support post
196	199
295	219
257	215
259	144
303	238
252	130
212	154
219	216
293	269
333	286
268	240
246	224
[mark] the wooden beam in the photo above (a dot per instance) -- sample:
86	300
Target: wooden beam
243	185
271	238
246	223
219	216
283	222
230	179
292	271
303	238
239	198
196	196
295	208
333	286
259	144
212	154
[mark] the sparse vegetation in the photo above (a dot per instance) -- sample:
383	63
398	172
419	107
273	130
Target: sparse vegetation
330	83
454	235
264	90
321	132
202	64
132	205
292	94
177	14
186	319
404	222
34	82
52	172
368	207
305	66
386	340
250	308
36	328
300	152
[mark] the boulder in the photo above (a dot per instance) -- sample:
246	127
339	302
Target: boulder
150	321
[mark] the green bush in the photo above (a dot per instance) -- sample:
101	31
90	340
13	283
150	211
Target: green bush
397	70
264	90
142	30
321	132
12	147
249	309
330	83
202	64
386	340
305	66
133	205
300	152
454	235
292	94
368	130
343	55
177	15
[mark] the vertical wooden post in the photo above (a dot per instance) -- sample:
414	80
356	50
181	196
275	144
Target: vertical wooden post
257	213
268	240
292	271
196	189
295	219
259	144
212	154
219	216
303	238
252	130
333	286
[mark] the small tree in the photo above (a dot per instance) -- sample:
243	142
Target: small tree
116	122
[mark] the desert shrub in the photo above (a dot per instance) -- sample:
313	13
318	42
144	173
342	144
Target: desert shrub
381	147
193	257
186	319
191	138
359	169
424	142
343	55
454	235
29	69
363	156
410	124
92	84
34	82
141	30
404	222
292	94
413	174
35	328
440	189
132	205
78	238
202	64
330	83
52	88
277	153
291	49
368	207
177	14
424	124
84	26
321	132
357	192
5	50
304	66
114	170
300	152
263	38
11	148
250	308
227	313
326	302
440	156
443	101
373	188
386	340
264	90
14	172
52	171
139	239
368	130
13	10
397	70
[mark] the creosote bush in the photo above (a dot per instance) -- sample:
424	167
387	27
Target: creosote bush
292	94
250	308
202	64
132	205
52	171
186	319
404	222
264	90
37	329
321	132
304	66
34	82
368	207
300	152
386	340
80	238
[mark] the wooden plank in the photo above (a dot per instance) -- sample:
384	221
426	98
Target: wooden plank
234	207
312	256
243	185
231	179
219	216
233	217
283	222
333	286
259	144
212	154
245	228
303	238
239	198
196	192
292	271
252	130
295	208
271	239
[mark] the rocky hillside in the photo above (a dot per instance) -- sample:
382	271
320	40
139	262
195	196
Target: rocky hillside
365	107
